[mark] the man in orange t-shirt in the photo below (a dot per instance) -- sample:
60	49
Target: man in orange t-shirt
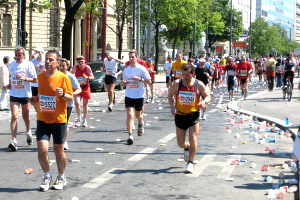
54	92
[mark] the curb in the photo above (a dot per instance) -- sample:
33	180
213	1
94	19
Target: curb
278	122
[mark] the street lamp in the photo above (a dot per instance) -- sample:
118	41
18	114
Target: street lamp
230	42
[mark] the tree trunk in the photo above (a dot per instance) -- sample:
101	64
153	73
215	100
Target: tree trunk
66	38
173	47
156	46
120	47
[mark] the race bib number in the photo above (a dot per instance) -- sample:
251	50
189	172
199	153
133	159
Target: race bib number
243	73
81	80
186	98
178	73
17	83
133	84
231	73
47	103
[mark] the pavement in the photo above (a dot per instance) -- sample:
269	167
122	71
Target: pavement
271	107
233	148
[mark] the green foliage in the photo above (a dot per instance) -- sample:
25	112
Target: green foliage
219	21
92	7
267	38
40	5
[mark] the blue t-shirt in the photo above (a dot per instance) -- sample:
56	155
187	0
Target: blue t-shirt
75	85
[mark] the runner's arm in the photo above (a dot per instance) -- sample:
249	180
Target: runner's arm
171	96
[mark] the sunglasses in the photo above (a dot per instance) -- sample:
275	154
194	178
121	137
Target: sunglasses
185	69
131	57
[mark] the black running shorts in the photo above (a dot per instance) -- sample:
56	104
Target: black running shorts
34	91
57	130
186	121
109	79
20	100
137	104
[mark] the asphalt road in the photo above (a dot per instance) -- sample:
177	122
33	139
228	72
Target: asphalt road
103	167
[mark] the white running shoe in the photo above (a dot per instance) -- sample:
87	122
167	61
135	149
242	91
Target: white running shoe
59	183
29	137
130	140
13	146
66	146
77	122
84	123
189	167
46	182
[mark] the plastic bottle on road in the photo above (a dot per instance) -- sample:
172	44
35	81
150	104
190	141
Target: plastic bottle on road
286	121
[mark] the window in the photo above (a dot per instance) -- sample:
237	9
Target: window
6	35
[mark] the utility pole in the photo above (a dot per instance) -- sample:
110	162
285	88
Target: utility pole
103	29
148	37
138	28
230	42
133	24
21	34
250	30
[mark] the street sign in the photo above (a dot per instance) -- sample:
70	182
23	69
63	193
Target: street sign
239	44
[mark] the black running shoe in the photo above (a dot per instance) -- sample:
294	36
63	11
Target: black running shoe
130	140
140	130
29	139
12	147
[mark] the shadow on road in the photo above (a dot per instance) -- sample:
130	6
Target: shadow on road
14	190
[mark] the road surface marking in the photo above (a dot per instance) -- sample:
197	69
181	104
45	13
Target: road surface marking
167	138
144	153
102	179
228	168
110	174
208	160
220	101
213	110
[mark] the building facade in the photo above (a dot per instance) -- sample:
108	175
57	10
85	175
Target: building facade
248	10
281	12
297	22
44	30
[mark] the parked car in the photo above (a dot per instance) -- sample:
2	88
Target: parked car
98	85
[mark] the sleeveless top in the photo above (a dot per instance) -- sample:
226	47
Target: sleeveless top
187	98
84	83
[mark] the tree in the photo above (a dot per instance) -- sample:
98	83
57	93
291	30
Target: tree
178	15
267	38
71	7
219	24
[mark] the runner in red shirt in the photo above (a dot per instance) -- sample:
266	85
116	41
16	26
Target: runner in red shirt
150	68
84	74
244	69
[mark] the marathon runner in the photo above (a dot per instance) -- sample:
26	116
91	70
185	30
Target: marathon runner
65	67
55	90
84	74
203	74
22	74
134	77
111	74
230	69
244	69
186	97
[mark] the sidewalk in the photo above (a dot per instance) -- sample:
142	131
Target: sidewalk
271	107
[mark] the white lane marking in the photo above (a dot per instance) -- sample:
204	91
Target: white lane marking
228	168
208	160
201	165
144	153
102	179
108	175
167	138
213	110
220	101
